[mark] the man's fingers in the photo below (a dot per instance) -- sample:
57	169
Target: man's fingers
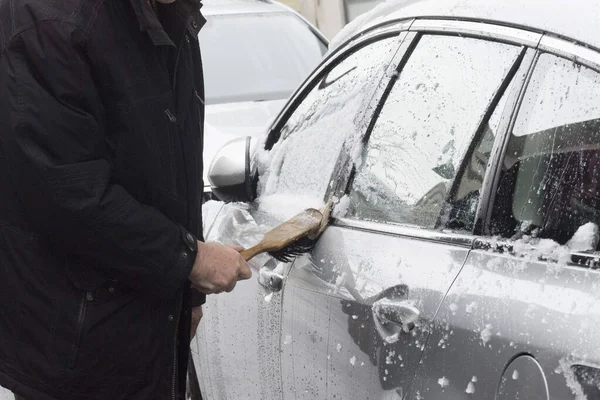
245	272
231	287
236	247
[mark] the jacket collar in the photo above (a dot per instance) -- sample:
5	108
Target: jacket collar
187	10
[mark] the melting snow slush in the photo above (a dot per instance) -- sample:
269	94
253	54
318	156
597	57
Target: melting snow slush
443	382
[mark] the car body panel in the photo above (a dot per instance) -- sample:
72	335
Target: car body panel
503	306
238	339
330	323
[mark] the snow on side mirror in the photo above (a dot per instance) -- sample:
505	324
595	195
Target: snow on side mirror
230	175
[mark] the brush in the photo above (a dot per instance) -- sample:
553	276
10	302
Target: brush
294	237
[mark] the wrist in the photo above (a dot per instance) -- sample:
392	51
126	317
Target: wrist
198	262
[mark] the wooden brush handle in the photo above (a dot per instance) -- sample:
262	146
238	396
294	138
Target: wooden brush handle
250	253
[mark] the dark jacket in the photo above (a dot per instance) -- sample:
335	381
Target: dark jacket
101	116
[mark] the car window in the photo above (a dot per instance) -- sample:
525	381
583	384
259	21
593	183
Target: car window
257	57
425	127
550	183
309	142
460	210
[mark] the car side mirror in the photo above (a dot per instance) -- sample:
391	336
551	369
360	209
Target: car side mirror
230	173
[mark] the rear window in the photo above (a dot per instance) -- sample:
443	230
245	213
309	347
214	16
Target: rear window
257	57
550	183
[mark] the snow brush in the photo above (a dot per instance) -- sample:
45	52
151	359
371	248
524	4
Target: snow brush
294	237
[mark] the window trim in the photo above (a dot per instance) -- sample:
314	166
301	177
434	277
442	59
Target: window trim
409	232
507	121
572	51
482	30
512	76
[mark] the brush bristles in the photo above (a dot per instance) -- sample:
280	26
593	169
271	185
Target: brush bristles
306	244
288	254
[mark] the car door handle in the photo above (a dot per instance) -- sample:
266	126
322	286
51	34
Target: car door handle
396	312
270	280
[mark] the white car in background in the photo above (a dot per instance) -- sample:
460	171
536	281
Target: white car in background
255	54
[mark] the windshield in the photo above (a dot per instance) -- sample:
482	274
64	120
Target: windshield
257	57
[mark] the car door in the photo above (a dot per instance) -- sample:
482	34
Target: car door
238	341
522	319
357	311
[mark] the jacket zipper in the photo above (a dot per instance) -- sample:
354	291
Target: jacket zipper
175	349
88	296
180	299
179	56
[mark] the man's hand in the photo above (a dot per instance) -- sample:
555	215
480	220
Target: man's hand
218	268
196	317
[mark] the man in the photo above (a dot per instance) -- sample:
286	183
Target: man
101	117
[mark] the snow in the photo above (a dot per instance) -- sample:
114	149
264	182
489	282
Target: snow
565	369
393	338
353	361
269	297
286	206
515	375
585	239
486	334
288	339
470	388
341	208
471	307
443	382
453	307
388	359
322	126
338	347
361	22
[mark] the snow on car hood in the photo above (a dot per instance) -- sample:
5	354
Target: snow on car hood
225	122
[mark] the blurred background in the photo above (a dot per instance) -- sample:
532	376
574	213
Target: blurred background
331	15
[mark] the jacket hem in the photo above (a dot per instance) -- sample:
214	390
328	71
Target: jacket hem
21	388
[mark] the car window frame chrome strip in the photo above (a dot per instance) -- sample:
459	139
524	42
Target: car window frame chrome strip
413	232
570	50
482	29
507	122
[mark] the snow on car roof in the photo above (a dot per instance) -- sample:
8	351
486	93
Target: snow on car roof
219	7
576	20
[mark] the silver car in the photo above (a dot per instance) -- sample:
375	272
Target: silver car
460	140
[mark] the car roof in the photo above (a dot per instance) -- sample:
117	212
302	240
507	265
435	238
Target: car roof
578	20
220	7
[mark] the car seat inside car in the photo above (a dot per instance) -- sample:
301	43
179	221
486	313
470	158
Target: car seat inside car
552	182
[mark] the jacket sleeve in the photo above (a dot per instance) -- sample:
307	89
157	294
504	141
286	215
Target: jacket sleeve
52	117
197	298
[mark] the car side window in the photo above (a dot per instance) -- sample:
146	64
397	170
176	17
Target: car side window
309	142
460	210
425	127
550	182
